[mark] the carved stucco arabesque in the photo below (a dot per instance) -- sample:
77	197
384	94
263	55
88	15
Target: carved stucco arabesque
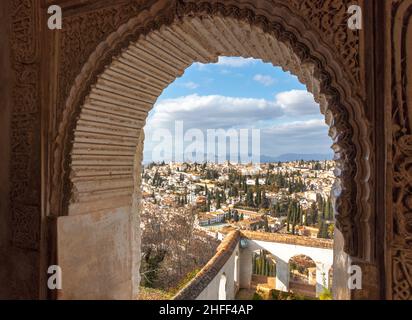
25	142
400	219
25	125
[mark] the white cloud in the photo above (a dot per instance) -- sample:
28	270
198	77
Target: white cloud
305	137
214	111
227	63
265	80
235	62
297	103
190	85
222	112
298	128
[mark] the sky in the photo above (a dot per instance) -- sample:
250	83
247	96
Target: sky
238	93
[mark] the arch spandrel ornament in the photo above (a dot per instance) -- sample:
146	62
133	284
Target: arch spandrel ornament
297	25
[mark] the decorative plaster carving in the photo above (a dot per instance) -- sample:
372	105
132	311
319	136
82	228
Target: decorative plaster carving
25	146
330	19
400	219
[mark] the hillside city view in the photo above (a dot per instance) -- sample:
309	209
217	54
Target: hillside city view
189	206
185	205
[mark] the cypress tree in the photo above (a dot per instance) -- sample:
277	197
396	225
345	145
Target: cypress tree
289	217
258	199
330	209
249	199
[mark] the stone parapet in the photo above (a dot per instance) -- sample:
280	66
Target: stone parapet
225	250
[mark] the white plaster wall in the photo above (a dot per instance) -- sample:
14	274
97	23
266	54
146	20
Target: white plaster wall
94	253
341	264
286	251
283	253
245	267
211	292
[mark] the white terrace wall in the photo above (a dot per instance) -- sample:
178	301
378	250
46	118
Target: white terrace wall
205	285
283	252
211	292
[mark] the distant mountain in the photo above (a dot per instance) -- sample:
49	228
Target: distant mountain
296	157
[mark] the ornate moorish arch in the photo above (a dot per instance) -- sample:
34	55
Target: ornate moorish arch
98	149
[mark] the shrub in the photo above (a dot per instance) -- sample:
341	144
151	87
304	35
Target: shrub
257	296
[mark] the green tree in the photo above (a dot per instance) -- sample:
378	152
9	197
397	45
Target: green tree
331	231
265	201
323	230
257	181
266	223
236	215
288	218
249	199
224	197
326	294
258	199
218	204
